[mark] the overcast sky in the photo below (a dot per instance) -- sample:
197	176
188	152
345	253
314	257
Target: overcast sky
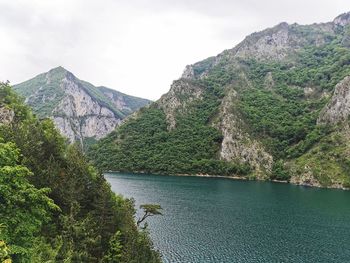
136	46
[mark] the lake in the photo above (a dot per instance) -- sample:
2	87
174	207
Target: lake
225	220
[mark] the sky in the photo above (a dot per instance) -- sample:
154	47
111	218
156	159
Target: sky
136	46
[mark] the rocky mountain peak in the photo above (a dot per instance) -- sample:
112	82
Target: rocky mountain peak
57	70
342	20
79	110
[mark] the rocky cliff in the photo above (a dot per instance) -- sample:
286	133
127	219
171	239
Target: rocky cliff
275	107
6	115
81	111
338	109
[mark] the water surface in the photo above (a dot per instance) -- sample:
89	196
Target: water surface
224	220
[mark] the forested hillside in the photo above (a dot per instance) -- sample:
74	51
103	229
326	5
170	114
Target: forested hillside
54	206
79	110
254	111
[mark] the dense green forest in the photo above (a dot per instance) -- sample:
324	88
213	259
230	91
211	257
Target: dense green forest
54	206
145	144
278	101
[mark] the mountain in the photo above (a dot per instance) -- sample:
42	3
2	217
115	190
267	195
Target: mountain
55	207
81	111
275	107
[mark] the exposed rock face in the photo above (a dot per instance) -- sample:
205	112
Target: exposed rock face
338	109
237	145
262	97
188	72
78	115
271	43
78	109
6	115
305	178
342	20
181	93
276	43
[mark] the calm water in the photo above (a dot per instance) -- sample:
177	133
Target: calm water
223	220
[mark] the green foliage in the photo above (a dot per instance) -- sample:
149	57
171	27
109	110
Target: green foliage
55	206
23	208
327	160
145	144
131	102
279	171
153	209
310	140
114	254
203	66
4	249
277	101
282	115
51	91
149	210
44	96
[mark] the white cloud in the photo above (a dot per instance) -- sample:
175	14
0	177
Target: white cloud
138	47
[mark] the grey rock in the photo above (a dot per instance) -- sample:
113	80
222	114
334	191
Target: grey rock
78	109
181	93
342	20
237	144
338	109
6	115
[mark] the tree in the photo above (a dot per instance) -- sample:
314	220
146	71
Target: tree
149	210
54	206
4	250
23	208
115	249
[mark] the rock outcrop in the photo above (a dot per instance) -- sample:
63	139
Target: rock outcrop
237	145
79	116
338	109
342	20
79	110
6	115
180	95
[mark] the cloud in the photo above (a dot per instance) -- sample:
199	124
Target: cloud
138	46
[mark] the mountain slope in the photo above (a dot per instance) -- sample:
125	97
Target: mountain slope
253	111
55	207
80	111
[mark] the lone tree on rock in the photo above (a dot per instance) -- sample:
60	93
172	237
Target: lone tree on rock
149	210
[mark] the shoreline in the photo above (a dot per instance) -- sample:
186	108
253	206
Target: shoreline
238	178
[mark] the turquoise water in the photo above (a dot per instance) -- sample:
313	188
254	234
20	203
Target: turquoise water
223	220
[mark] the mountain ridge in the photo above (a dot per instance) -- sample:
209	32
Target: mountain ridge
81	111
251	111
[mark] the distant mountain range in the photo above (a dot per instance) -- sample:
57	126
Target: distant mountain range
275	107
81	111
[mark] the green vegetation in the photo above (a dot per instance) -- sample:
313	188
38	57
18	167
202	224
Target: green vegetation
133	103
144	144
51	91
283	115
278	101
45	91
149	210
54	206
327	160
